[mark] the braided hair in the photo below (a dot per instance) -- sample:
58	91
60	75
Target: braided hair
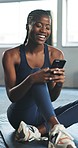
34	16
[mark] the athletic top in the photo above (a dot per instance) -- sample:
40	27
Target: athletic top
23	70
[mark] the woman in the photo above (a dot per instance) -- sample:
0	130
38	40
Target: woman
32	85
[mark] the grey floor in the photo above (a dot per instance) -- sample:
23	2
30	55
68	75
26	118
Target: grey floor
4	101
66	96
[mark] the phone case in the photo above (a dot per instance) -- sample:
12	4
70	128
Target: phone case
58	63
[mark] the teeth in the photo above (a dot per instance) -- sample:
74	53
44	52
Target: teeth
42	36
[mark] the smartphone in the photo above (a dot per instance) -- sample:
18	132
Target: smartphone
58	63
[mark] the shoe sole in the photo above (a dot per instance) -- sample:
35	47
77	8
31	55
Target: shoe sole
50	145
69	146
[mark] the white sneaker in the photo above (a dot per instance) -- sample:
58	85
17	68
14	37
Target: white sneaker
27	133
59	138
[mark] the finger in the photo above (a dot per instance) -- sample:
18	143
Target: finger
59	72
47	70
50	78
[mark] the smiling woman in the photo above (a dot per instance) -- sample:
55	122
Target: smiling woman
32	85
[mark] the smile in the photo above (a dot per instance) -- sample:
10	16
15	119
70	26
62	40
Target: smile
41	37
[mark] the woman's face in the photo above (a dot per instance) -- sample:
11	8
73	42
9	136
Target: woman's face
40	30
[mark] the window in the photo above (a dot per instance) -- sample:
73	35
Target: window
13	19
70	23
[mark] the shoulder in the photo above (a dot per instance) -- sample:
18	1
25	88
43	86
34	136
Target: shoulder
55	53
11	55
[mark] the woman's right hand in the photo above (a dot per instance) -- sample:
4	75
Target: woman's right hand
41	76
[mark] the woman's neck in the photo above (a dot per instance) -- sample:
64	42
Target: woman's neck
30	47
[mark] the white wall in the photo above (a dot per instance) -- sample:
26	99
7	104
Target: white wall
71	53
71	67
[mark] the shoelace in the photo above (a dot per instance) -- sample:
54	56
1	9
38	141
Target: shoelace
38	139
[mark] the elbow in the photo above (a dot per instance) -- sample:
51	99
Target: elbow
11	96
53	99
54	96
12	99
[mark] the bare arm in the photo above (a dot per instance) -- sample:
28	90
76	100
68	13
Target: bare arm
55	85
14	92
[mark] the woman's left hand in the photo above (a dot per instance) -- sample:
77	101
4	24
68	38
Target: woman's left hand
57	75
